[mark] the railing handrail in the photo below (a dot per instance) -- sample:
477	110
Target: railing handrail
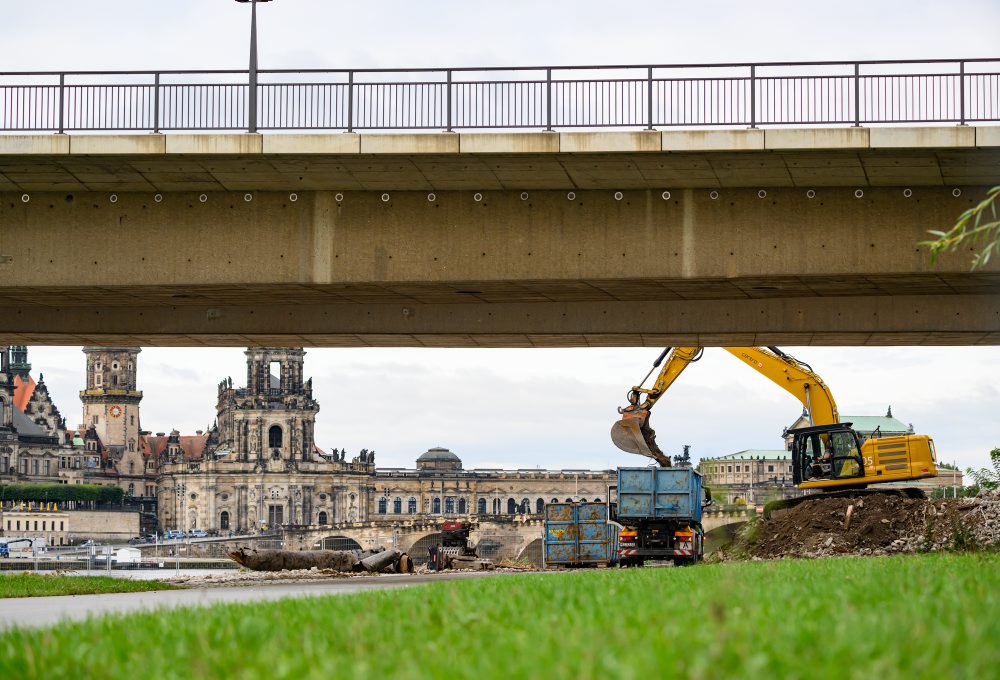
638	96
553	67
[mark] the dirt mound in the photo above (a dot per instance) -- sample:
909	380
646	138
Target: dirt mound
876	524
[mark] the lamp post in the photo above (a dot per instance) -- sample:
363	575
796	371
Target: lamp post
252	103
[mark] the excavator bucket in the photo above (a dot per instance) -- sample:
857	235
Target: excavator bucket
633	435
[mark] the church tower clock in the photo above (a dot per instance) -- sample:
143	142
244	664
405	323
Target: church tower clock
111	400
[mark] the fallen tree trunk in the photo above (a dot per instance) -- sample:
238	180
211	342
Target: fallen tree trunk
276	560
379	561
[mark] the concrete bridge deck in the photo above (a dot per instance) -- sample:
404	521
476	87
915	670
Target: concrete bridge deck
777	236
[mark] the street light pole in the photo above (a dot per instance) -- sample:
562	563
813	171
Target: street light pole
252	103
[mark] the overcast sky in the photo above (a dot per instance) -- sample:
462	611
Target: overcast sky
545	407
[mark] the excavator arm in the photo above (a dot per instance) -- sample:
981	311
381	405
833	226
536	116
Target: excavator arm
794	377
633	434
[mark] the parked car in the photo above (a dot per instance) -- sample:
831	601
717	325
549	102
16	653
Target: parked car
171	535
197	533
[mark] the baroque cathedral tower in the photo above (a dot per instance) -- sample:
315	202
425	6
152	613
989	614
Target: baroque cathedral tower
272	421
111	400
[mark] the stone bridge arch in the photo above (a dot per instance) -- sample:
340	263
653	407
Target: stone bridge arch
339	542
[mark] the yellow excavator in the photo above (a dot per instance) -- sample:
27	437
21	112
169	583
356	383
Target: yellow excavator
827	454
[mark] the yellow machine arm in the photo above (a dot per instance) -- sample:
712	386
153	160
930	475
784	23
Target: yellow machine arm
795	377
633	434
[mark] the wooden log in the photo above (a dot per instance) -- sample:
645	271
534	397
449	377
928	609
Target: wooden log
276	560
379	561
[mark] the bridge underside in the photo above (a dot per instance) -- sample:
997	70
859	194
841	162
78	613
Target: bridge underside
553	248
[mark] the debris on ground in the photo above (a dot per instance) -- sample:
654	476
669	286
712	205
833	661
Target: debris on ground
875	524
371	561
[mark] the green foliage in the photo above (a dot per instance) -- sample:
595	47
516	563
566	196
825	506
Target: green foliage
41	585
786	619
974	226
47	493
986	478
949	492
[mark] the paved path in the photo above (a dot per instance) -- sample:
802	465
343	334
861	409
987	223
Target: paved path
43	611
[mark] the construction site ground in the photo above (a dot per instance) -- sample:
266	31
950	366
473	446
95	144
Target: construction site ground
876	524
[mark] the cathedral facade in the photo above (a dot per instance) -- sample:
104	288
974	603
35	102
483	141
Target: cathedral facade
260	466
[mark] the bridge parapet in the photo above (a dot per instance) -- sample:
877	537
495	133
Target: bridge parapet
538	97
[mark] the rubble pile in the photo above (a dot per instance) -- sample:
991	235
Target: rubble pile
372	561
876	524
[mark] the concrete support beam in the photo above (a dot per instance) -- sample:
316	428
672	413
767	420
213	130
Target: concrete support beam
866	320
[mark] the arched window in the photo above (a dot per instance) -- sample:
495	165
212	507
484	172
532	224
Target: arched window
322	517
583	500
481	506
131	468
461	506
496	506
511	506
525	506
274	437
569	500
382	504
224	519
131	488
449	505
554	500
397	505
411	506
539	506
436	506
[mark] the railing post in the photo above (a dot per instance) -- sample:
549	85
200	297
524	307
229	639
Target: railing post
961	92
857	94
548	100
156	103
350	101
753	96
649	98
62	107
448	98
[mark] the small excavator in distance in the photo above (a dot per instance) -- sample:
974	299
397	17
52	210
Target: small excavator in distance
827	454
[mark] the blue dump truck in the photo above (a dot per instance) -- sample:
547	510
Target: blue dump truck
659	510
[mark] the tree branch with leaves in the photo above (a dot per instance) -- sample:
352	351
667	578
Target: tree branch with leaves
986	478
977	225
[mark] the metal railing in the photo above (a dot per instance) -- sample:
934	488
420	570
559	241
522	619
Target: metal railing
532	98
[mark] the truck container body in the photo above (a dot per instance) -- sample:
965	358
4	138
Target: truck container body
578	534
660	513
659	493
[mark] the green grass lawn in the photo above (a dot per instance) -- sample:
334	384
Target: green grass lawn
930	616
40	585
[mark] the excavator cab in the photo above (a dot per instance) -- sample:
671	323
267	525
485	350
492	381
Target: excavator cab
826	456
